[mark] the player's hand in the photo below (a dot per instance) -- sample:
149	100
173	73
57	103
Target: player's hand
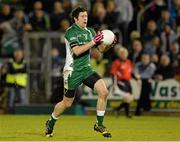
98	38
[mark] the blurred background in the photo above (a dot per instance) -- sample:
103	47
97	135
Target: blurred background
32	54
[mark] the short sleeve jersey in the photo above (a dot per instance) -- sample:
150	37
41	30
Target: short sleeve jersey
74	36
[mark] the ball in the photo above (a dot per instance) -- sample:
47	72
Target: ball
108	37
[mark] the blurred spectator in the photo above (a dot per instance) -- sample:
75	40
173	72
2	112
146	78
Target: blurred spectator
143	71
97	19
8	31
175	55
57	15
36	6
82	3
151	31
18	21
67	6
134	35
64	25
125	9
39	21
164	20
59	41
137	49
178	17
155	59
13	30
168	36
111	15
57	77
153	47
5	14
154	12
175	5
16	79
122	70
98	63
164	69
115	51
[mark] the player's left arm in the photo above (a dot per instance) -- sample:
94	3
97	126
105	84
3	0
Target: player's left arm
103	48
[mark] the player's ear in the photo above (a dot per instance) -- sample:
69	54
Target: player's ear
75	19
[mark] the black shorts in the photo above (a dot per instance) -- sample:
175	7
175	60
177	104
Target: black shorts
89	81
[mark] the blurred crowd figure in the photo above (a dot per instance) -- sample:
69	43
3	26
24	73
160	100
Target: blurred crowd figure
98	63
152	52
122	74
57	77
15	78
144	71
164	70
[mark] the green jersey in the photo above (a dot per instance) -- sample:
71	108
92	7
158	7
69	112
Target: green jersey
74	36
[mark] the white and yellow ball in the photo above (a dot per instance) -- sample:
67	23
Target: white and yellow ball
108	37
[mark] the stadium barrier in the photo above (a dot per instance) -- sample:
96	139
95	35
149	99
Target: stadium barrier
37	46
40	109
165	94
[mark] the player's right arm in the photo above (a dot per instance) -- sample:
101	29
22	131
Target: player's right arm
79	49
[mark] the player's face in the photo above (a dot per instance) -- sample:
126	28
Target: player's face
82	19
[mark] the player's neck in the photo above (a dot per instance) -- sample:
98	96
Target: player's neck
80	26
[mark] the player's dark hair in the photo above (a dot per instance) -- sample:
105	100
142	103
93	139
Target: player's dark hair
76	11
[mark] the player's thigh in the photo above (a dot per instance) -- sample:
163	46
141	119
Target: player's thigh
73	81
95	82
91	80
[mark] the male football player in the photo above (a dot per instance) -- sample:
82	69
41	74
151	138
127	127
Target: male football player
79	40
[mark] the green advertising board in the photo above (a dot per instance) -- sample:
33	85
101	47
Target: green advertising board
165	94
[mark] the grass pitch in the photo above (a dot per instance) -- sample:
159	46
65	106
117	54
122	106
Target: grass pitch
80	128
